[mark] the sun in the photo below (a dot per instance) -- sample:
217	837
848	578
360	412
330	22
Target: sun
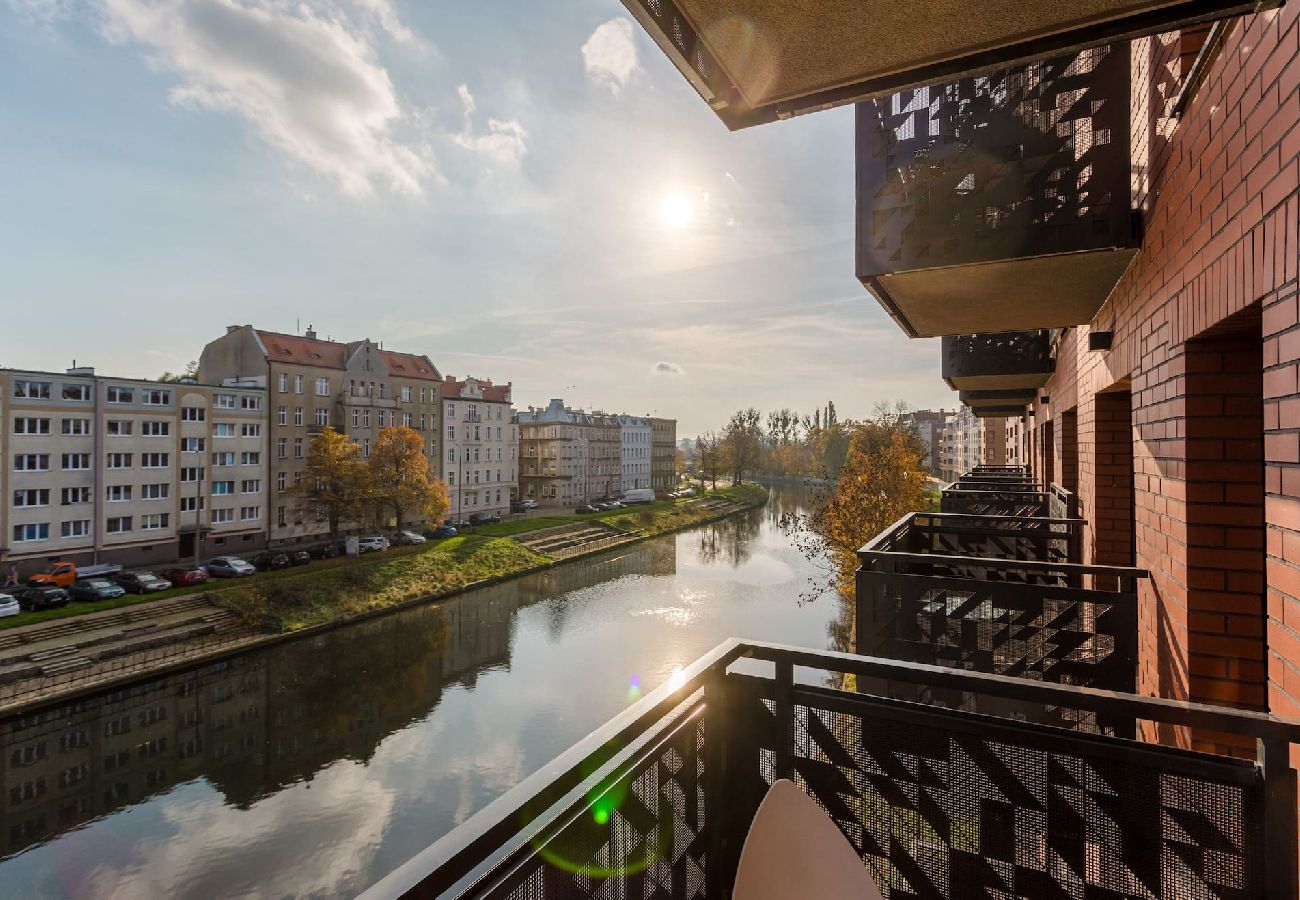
676	210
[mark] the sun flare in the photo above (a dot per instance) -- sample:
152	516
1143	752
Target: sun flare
676	210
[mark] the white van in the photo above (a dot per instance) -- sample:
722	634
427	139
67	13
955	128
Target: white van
639	495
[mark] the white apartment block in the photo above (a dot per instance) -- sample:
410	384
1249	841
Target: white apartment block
480	440
635	434
99	469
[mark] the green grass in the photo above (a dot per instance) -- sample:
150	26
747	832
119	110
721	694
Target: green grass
316	596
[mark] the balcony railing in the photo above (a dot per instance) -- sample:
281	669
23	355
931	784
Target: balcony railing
1001	202
938	803
756	62
983	366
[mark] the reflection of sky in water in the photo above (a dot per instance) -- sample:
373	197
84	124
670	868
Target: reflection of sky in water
523	675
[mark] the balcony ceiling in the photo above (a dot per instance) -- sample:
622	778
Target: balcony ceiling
756	61
983	399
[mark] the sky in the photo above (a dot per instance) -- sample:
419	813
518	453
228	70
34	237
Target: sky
540	199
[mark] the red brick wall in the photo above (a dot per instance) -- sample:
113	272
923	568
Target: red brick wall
1218	191
1068	450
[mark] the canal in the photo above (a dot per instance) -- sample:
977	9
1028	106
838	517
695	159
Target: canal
315	767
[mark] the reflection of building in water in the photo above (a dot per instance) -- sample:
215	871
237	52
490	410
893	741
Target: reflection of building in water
653	557
248	725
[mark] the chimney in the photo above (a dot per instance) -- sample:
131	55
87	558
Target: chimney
310	333
231	329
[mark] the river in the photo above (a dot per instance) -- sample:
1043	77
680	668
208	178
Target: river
315	767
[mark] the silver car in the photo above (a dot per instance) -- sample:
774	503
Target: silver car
229	567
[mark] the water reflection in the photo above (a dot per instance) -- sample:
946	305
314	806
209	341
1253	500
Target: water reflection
315	767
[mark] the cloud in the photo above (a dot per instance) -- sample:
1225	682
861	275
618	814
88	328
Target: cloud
41	12
610	56
505	141
668	368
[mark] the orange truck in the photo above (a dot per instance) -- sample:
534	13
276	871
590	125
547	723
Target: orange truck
63	574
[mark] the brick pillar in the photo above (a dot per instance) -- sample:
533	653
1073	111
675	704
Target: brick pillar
1112	519
1069	455
1048	442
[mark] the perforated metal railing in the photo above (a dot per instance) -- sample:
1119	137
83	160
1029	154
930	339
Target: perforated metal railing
938	803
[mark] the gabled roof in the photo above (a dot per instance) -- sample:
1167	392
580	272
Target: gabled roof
492	393
305	351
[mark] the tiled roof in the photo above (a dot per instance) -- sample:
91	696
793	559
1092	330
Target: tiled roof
492	393
307	351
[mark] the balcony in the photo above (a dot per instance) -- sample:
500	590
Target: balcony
756	61
997	367
937	802
998	203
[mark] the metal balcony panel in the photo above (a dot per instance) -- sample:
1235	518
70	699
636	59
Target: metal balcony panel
980	399
997	412
1001	202
755	61
988	364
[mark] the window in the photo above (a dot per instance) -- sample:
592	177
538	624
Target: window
31	462
224	401
356	418
250	402
284	382
32	390
279	516
226	458
117	394
281	448
156	397
75	528
297	384
365	418
322	387
282	416
297	448
155	460
119	428
193	414
406	419
118	493
249	513
32	497
192	444
73	461
76	426
155	428
75	495
365	447
154	491
251	486
249	458
451	456
190	474
422	421
191	504
451	432
154	521
118	524
250	430
223	429
220	516
406	395
451	478
31	426
119	460
297	415
322	416
451	410
35	532
76	392
222	487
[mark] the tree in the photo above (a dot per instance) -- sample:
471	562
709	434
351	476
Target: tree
708	453
399	476
742	443
679	462
335	480
189	373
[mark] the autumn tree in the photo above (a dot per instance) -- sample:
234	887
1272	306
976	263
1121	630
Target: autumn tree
708	454
399	476
334	479
742	443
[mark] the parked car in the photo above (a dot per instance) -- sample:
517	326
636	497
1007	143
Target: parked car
63	574
323	551
609	504
585	508
406	538
484	519
299	558
373	543
186	576
95	589
517	506
528	504
142	582
38	597
458	524
271	561
442	531
229	567
638	495
9	606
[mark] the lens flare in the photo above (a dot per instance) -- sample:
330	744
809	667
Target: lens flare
677	210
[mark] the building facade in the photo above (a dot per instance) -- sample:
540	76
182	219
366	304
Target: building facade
117	470
635	436
604	457
480	460
663	455
358	388
928	425
553	455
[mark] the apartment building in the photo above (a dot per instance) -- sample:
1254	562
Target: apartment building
604	457
966	440
663	455
102	469
554	455
481	446
357	387
635	436
928	425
